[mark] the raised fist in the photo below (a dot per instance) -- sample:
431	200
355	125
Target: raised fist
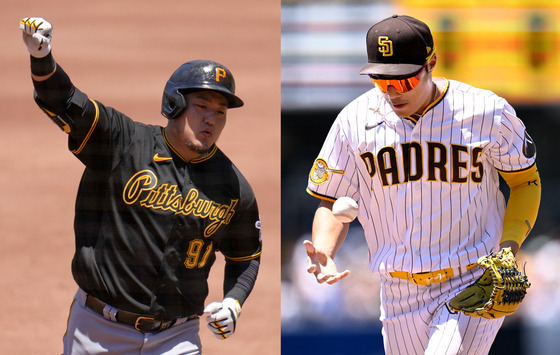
37	34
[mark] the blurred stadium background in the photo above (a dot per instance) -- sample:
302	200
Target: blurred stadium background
510	47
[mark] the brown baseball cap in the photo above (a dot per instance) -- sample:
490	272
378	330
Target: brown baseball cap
397	46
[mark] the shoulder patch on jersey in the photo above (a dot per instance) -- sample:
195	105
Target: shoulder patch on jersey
529	148
320	172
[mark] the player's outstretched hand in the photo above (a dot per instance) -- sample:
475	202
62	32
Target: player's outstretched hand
37	34
322	266
223	317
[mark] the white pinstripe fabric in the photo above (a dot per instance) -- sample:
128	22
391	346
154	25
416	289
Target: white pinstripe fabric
415	320
428	222
429	199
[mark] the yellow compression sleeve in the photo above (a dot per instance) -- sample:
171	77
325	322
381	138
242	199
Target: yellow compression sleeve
523	204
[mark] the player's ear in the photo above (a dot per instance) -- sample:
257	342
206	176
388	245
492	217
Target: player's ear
432	63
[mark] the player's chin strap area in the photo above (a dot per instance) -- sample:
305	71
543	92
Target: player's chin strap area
140	322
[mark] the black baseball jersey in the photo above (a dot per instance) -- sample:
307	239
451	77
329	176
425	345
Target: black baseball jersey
148	223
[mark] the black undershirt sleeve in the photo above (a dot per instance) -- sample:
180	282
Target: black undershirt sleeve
55	93
240	277
42	66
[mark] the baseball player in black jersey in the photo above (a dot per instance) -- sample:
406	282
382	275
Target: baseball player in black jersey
154	205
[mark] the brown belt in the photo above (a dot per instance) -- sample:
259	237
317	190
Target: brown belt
138	321
426	278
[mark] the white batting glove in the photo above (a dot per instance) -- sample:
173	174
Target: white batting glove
37	34
223	317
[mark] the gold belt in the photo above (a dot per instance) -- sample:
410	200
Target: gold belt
426	278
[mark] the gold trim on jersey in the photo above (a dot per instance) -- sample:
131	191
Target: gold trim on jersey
320	172
207	156
245	258
319	196
436	101
92	128
201	159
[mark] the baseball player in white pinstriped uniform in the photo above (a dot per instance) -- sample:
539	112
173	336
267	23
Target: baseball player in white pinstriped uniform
422	157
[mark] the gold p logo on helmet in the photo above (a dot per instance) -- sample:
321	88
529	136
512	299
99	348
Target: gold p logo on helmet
385	46
220	73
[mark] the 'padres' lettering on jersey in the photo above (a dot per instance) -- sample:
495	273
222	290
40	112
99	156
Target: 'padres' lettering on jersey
426	187
456	163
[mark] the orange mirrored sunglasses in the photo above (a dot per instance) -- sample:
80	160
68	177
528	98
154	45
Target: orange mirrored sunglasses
401	85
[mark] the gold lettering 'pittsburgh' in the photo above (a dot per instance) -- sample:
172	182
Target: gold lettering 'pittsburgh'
142	187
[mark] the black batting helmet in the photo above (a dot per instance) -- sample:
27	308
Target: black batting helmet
195	76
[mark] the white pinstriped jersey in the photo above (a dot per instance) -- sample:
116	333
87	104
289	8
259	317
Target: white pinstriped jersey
428	190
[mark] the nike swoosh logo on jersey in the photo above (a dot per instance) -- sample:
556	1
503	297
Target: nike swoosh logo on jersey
159	159
376	110
370	126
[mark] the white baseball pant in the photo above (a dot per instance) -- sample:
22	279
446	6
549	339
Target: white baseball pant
416	321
